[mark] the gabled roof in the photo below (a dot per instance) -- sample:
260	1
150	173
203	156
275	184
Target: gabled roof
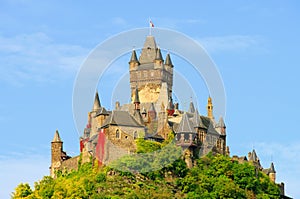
101	111
185	126
121	118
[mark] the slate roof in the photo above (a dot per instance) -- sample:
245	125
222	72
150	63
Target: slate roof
101	111
192	108
197	120
133	57
253	156
121	118
221	123
168	60
185	126
96	104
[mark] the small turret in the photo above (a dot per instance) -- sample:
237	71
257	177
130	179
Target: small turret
168	61
210	108
96	105
133	63
221	126
158	61
56	153
168	64
272	173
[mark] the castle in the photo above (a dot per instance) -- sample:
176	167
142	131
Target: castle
151	115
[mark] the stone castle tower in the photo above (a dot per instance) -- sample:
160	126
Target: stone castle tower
149	72
56	152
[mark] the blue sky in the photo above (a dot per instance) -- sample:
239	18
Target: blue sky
43	44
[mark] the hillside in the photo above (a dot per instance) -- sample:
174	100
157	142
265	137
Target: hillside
212	177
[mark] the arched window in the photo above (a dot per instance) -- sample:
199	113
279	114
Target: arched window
135	135
118	134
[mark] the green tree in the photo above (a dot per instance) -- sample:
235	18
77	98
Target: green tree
22	191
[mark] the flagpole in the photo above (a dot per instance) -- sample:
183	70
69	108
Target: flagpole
150	26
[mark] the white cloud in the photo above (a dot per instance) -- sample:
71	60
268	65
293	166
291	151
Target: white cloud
36	57
233	43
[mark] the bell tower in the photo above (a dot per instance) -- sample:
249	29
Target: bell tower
210	108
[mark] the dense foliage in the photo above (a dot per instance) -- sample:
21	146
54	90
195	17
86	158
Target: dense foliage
212	177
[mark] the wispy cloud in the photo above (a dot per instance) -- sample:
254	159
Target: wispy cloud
17	170
232	43
37	57
286	157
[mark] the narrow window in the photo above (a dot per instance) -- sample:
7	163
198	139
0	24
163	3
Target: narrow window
118	134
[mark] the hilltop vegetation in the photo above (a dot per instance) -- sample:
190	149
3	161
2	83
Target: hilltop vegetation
212	177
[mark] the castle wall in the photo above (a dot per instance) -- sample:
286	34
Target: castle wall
70	164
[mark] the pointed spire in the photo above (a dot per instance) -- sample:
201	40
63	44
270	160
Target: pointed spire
197	121
149	50
133	58
168	60
56	137
221	123
253	156
158	55
272	168
97	104
185	125
192	107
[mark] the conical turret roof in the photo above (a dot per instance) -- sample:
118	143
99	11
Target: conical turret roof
272	168
133	57
56	137
158	55
168	60
96	105
221	123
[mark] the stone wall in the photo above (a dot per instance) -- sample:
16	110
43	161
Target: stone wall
70	164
